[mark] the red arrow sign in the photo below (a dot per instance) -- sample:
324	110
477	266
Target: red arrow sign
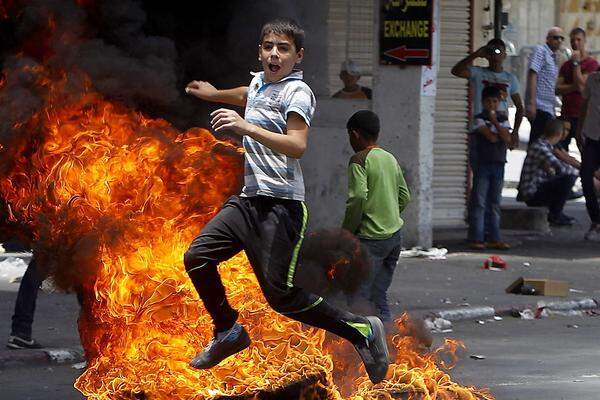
402	53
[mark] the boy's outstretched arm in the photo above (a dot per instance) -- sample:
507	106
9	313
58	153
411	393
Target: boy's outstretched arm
292	144
206	91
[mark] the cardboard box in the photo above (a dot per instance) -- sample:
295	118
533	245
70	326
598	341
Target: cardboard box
543	287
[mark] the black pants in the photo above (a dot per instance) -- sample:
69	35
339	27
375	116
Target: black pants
553	194
22	319
539	124
564	144
270	231
590	161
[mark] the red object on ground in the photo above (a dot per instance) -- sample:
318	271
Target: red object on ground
494	262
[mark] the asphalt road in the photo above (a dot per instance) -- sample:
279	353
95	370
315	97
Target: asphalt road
545	359
525	360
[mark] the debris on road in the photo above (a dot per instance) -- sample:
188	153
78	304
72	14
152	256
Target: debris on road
527	314
12	269
438	325
574	326
461	314
526	264
477	357
494	263
542	287
432	253
79	365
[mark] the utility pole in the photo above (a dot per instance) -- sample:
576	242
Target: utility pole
498	19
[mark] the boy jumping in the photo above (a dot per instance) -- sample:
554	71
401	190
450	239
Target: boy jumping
268	219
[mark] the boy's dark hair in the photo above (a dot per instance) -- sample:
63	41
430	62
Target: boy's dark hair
495	42
490	91
578	31
284	26
554	128
366	123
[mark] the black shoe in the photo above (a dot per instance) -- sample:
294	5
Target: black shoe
568	217
560	220
17	342
374	352
219	348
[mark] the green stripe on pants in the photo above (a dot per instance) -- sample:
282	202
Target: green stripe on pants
292	267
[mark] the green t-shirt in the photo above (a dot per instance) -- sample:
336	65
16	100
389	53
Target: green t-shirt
377	194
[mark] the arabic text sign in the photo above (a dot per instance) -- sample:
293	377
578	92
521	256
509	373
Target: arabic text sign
405	32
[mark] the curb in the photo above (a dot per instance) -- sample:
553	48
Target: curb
38	357
473	313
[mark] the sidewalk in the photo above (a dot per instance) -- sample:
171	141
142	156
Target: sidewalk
420	286
428	286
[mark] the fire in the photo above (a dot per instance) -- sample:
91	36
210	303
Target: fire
112	199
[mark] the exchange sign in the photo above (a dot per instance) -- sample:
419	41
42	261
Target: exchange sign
405	32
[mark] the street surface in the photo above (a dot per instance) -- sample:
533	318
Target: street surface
541	359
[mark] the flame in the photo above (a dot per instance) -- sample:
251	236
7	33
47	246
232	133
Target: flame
112	199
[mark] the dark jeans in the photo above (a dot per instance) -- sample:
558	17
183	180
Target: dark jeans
590	161
384	256
270	231
22	319
484	207
539	124
564	144
553	194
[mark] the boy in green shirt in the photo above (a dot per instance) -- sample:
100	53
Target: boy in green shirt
377	195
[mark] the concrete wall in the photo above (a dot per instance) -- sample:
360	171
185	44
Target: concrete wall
325	162
406	131
407	126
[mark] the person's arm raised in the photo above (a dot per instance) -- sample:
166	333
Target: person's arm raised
205	91
461	69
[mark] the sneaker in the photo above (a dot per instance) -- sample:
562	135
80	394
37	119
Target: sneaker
565	216
476	246
559	220
497	245
374	351
17	342
593	235
223	345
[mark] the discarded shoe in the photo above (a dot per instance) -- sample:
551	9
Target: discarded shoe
223	345
374	351
17	342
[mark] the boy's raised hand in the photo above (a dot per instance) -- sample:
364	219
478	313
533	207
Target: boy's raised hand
225	119
201	89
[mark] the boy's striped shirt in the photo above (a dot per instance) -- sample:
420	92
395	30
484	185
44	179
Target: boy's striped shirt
267	172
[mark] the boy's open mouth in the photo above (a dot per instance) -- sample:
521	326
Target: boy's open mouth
274	68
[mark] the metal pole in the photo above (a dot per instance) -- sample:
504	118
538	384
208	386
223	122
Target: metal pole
498	19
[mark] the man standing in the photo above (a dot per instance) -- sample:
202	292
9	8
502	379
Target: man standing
588	133
492	75
541	83
571	81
